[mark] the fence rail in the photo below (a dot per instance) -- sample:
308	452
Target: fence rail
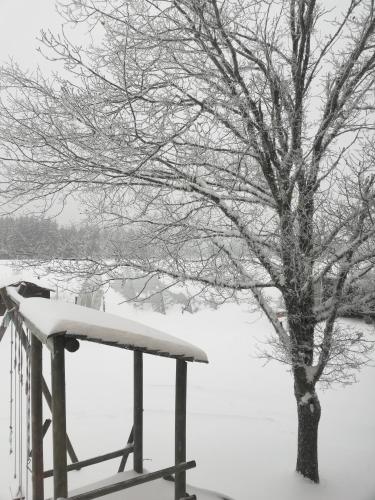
134	481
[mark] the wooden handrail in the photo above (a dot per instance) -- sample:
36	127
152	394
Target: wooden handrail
134	481
94	460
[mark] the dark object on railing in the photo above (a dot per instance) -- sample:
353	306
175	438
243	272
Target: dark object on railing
27	289
71	344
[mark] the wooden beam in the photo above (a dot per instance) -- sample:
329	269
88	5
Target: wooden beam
131	347
138	412
60	478
45	428
36	356
5	323
180	428
46	425
126	453
134	481
48	398
94	460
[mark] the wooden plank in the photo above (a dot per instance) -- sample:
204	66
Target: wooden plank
37	418
126	453
60	477
180	428
2	331
134	481
94	460
138	412
140	349
46	426
4	324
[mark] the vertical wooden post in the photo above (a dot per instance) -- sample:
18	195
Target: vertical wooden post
60	479
36	357
180	428
48	398
138	412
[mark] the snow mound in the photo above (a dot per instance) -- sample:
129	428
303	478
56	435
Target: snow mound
52	317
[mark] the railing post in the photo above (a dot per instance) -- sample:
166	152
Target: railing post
180	428
60	478
138	412
36	357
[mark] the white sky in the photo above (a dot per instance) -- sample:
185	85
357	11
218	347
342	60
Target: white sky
20	24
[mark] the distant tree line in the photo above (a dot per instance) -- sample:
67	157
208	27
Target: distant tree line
29	237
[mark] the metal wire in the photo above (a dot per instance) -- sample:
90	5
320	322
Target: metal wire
15	405
20	440
11	391
28	413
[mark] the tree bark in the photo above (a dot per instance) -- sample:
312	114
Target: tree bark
309	411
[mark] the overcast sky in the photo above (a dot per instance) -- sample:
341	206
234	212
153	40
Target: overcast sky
20	24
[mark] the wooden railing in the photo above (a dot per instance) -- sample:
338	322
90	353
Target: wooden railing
134	481
95	460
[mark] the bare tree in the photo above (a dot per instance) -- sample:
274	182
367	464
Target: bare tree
233	136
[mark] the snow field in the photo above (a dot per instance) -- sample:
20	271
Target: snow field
241	414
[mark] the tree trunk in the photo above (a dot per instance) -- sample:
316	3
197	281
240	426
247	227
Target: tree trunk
308	408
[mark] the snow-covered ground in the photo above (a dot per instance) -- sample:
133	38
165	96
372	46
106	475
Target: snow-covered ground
241	414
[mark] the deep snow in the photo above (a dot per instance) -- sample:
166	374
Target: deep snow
241	414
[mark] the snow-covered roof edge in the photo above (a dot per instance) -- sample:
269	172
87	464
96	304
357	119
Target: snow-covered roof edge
48	318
